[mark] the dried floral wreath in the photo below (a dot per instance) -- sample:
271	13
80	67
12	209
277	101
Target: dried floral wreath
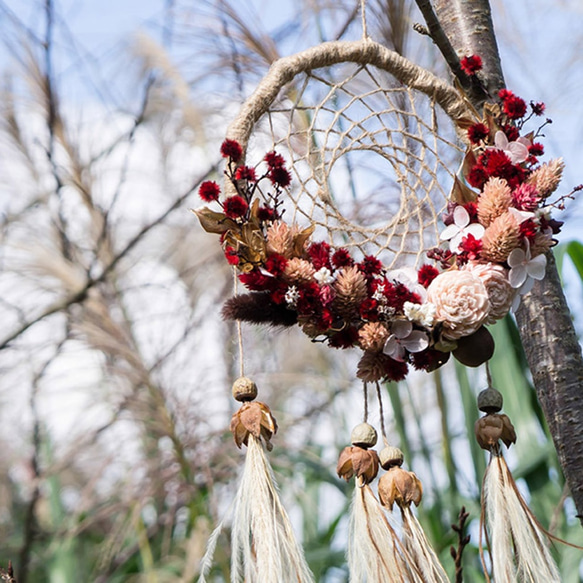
497	230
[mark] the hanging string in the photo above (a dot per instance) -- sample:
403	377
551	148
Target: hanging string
239	331
488	375
363	18
381	412
365	395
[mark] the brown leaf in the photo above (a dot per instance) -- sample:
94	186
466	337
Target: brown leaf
461	193
213	222
300	241
469	161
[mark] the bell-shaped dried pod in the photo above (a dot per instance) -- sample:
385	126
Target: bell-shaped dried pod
253	418
492	428
400	486
359	462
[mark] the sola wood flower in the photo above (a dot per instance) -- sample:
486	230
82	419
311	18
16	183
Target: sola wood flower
402	338
461	302
523	266
500	292
255	419
517	151
460	228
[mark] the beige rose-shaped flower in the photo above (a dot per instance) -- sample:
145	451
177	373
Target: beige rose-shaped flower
500	293
461	302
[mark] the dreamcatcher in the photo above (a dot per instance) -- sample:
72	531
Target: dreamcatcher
339	170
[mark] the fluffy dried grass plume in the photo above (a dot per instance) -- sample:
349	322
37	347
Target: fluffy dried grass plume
547	177
500	292
372	336
495	200
280	239
500	238
461	302
350	287
299	270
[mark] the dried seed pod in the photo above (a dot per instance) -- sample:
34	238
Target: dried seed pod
490	400
390	456
358	461
400	486
363	435
244	389
256	419
491	428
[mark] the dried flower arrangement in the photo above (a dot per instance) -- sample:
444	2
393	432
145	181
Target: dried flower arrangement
497	230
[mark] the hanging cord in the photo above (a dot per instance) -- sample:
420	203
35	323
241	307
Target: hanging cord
239	331
488	375
381	413
365	395
363	19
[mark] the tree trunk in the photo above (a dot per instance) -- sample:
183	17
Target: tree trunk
546	328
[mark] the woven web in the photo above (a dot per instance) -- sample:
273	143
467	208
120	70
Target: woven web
373	161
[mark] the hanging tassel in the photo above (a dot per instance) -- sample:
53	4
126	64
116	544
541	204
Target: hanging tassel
375	553
263	545
518	543
403	487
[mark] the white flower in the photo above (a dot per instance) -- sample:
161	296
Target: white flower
523	268
516	151
408	277
402	338
324	276
420	313
460	228
292	295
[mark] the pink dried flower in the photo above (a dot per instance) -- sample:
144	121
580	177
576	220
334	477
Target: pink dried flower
280	239
500	292
299	270
547	177
372	336
526	197
461	302
500	238
494	201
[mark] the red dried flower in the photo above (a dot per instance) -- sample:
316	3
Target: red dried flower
274	160
345	338
231	149
477	133
277	295
477	177
426	274
511	132
536	149
342	258
231	255
209	191
471	64
399	294
309	301
529	229
256	280
429	359
505	94
320	255
266	213
275	264
245	173
368	310
280	176
370	266
514	107
394	370
235	206
325	320
538	108
472	208
471	246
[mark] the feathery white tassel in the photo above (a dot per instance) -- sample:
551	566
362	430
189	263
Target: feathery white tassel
518	543
421	550
264	548
375	553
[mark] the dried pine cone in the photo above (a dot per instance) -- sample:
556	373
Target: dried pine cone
350	287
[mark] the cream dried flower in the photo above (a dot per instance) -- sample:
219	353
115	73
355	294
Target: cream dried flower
372	336
500	292
500	238
547	176
494	201
280	239
461	302
299	270
350	287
